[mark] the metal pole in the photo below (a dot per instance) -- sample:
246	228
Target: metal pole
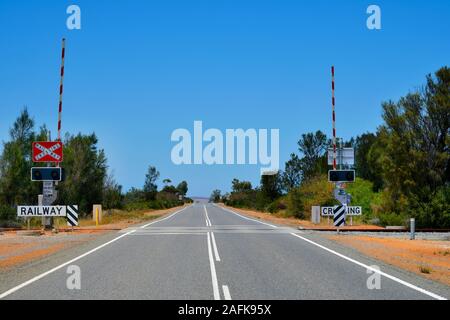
412	229
40	203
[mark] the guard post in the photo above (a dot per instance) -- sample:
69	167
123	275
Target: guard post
412	228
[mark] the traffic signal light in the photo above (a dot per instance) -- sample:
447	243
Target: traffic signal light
341	176
46	174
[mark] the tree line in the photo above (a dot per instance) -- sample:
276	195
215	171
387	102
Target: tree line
87	179
403	169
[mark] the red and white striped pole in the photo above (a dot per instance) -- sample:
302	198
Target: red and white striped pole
334	118
61	87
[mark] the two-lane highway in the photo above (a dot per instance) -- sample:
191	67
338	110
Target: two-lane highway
207	252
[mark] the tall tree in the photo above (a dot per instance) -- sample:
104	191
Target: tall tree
241	186
112	193
292	175
150	187
215	196
182	188
364	165
86	171
415	157
15	162
271	186
313	147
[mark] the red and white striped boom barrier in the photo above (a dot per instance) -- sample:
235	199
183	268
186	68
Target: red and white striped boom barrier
61	88
333	102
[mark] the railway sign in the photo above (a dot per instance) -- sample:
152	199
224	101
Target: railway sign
41	211
48	151
339	215
351	211
70	212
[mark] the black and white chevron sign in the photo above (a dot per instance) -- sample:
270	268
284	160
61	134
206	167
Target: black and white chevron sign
339	215
72	216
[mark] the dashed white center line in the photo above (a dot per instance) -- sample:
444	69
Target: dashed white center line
226	293
213	271
208	222
216	252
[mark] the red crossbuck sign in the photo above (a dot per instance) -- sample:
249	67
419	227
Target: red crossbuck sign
48	151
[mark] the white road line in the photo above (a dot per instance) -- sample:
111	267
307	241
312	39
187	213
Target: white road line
407	284
246	218
207	218
213	271
42	275
226	292
168	217
168	233
216	252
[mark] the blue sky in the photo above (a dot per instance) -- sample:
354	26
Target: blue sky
137	70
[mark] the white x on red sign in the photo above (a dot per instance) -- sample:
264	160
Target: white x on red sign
47	151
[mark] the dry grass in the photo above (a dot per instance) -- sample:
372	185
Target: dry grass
425	270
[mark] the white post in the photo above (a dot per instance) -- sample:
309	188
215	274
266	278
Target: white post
412	229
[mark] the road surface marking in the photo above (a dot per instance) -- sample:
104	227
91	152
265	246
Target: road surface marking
407	284
246	218
213	271
148	224
226	293
207	218
216	252
42	275
169	233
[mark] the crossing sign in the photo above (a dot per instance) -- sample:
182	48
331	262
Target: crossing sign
350	211
339	215
48	151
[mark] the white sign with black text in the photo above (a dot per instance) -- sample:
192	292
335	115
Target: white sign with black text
41	211
351	211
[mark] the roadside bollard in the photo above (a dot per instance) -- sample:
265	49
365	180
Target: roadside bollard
96	217
412	229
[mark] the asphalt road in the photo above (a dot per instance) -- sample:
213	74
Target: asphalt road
207	252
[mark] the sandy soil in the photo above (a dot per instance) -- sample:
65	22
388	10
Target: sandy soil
428	258
16	250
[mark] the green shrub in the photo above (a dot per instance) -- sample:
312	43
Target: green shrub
393	219
434	214
7	213
295	205
363	195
